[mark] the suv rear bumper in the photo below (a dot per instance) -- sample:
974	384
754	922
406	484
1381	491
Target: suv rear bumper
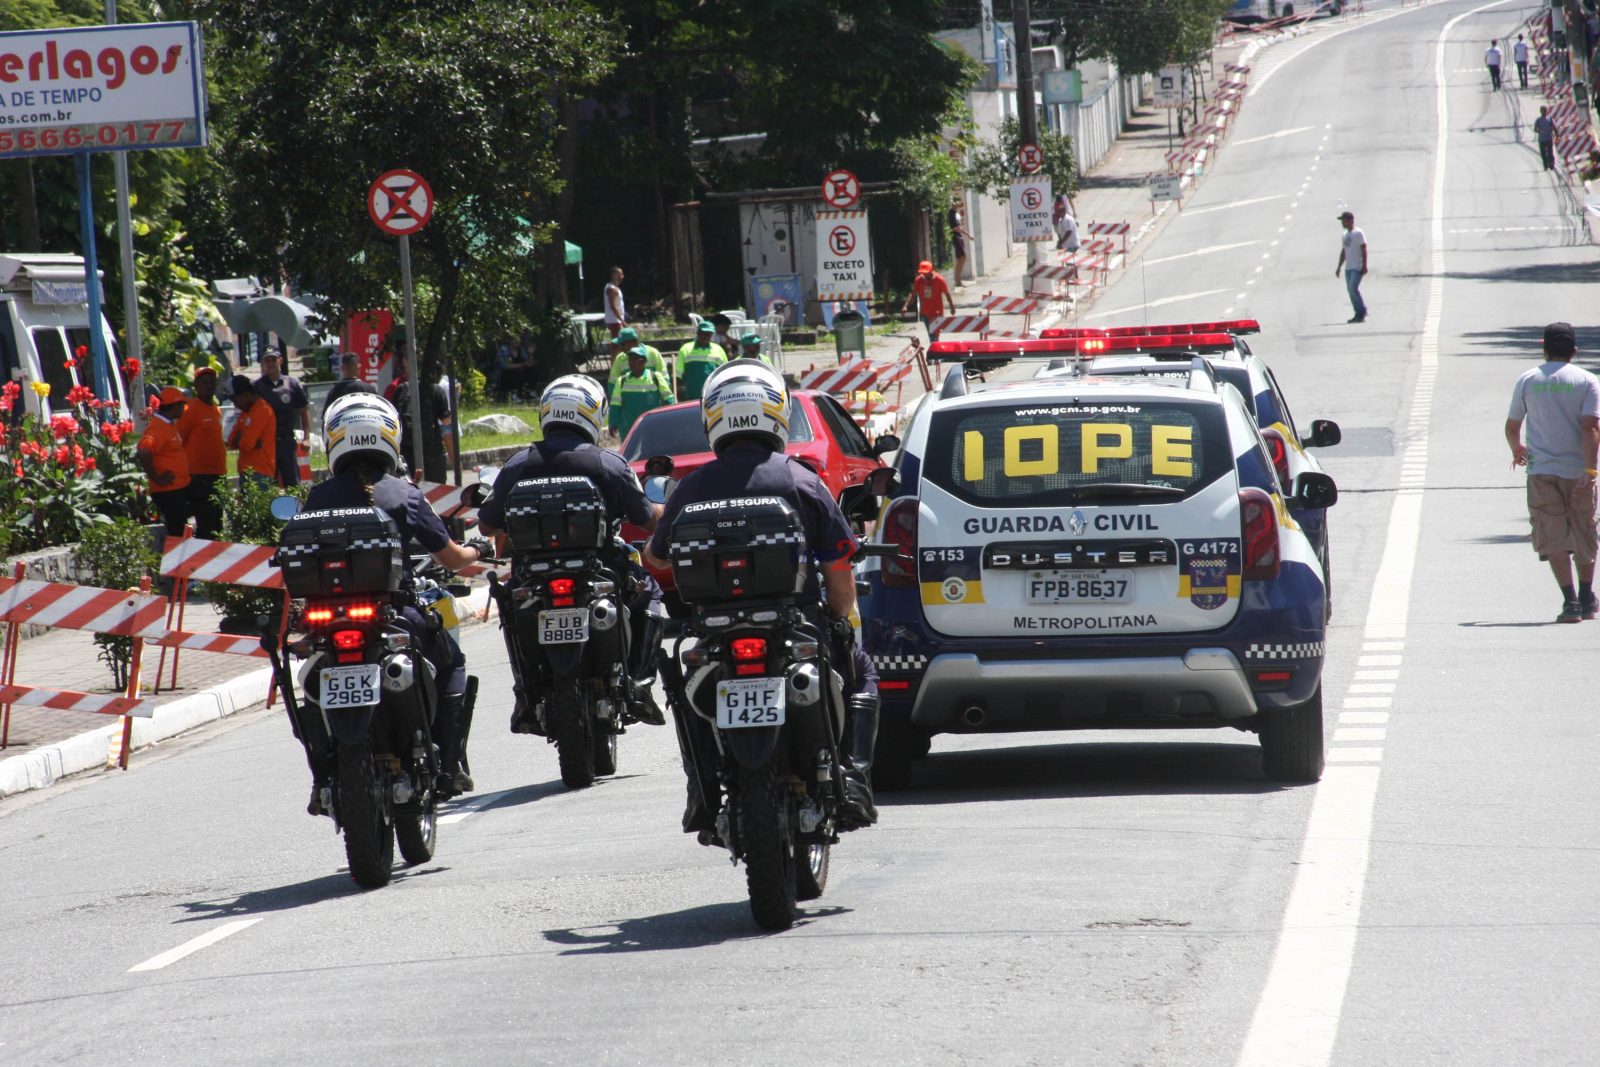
964	692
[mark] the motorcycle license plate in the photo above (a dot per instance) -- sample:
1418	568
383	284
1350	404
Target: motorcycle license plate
349	687
750	702
565	627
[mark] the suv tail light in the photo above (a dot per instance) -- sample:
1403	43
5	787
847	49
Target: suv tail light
1260	521
1278	449
900	530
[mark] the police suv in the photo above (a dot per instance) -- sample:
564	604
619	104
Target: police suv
1094	553
1166	350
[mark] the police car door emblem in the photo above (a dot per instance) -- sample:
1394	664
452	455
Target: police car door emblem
954	590
1077	522
1208	583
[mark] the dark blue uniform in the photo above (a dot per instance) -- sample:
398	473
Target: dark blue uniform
748	468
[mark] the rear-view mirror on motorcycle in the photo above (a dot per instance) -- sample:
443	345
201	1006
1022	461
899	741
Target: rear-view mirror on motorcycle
871	550
285	508
475	495
659	465
658	488
487	475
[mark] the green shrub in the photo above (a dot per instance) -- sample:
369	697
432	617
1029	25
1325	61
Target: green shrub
116	555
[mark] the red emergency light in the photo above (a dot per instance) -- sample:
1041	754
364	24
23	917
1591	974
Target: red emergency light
1084	346
1231	326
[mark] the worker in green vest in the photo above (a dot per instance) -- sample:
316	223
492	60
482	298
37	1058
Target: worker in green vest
750	348
636	392
696	360
627	338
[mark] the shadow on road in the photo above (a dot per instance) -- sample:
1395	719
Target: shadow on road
285	897
700	927
1134	768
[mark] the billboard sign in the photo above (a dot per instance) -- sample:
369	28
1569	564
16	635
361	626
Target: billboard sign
101	89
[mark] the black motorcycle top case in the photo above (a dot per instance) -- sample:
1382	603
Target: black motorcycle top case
555	514
340	552
749	549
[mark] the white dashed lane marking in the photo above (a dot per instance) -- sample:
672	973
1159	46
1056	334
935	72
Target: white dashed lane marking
190	947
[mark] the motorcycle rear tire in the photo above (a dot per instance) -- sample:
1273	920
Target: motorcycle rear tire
571	722
368	835
417	834
766	834
605	750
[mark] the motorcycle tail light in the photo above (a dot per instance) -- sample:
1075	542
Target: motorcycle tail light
805	650
695	657
561	586
317	616
349	639
561	601
362	611
749	668
746	649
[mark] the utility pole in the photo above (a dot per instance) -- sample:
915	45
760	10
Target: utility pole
134	349
1027	111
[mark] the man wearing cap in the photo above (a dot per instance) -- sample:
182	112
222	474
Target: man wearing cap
254	435
627	340
636	392
932	294
696	360
160	455
750	348
350	380
290	405
1353	264
200	427
1560	405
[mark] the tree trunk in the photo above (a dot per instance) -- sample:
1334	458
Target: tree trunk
430	363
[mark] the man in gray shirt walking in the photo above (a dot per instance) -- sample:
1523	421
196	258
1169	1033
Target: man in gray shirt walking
1560	405
1545	130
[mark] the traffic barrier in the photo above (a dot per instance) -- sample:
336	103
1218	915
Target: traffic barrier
1118	230
978	324
1011	305
122	613
303	456
186	559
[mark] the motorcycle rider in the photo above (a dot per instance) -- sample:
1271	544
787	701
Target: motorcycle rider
361	432
572	412
750	462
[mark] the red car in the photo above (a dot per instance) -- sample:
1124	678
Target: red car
822	435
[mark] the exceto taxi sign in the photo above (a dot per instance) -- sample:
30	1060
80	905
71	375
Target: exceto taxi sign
1030	208
844	256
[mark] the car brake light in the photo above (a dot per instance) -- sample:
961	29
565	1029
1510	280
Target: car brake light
894	685
900	530
1260	522
348	639
316	616
1278	449
1274	676
561	586
749	648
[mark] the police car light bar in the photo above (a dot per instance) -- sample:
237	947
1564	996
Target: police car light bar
1232	326
1085	347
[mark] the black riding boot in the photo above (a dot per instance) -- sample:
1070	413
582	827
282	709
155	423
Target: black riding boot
647	630
447	724
862	727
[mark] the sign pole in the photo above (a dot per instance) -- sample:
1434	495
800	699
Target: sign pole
91	273
130	292
411	356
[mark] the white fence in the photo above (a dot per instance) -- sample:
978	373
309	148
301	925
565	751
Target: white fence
1094	124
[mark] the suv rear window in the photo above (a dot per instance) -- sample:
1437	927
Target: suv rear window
1055	455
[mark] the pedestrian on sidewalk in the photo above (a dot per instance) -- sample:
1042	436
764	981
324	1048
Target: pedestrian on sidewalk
1065	221
615	308
160	455
932	293
958	239
639	391
200	426
254	435
1492	58
290	405
1545	130
1353	264
1560	405
1519	53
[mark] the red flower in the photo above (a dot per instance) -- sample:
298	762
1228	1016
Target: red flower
81	394
8	396
84	467
63	455
80	351
130	367
17	468
63	426
69	363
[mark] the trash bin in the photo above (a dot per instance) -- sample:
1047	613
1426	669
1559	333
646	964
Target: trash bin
850	334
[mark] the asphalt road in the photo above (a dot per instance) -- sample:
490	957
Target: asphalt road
1086	899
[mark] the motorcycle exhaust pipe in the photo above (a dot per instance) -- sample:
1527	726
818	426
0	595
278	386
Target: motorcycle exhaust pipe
397	673
975	715
603	615
805	685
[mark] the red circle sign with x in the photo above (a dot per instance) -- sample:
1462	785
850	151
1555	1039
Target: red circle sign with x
400	202
1030	158
842	240
841	189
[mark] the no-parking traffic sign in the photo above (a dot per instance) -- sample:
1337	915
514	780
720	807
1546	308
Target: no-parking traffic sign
1030	158
841	189
400	202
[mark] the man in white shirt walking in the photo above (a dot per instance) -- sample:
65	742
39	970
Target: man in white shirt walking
1519	52
616	310
1492	58
1353	264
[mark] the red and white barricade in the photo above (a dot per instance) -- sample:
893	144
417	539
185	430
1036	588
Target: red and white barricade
187	559
1010	305
1117	230
978	323
1054	282
136	614
863	386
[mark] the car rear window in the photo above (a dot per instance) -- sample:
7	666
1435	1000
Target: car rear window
680	431
1048	455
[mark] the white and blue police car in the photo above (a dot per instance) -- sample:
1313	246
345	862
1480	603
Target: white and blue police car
1094	553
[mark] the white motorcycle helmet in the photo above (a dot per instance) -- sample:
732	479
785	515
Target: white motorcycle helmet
575	400
361	426
745	398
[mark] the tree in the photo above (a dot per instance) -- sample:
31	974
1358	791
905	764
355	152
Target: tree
464	92
1139	36
991	168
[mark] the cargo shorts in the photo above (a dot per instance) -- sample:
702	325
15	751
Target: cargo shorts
1562	512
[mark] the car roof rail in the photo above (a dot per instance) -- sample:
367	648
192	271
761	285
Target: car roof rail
1201	371
955	383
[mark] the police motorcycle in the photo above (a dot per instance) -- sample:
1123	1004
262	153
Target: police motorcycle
564	609
760	676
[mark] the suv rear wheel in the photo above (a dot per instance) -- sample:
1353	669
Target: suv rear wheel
1291	742
899	744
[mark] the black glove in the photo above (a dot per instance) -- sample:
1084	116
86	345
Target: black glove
842	632
484	546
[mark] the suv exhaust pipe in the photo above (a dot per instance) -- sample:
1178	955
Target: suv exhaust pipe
975	715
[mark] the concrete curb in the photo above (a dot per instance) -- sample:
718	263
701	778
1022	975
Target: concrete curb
88	751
